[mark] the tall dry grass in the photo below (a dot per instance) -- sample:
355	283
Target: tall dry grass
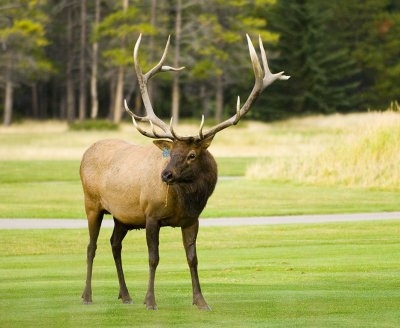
50	140
365	153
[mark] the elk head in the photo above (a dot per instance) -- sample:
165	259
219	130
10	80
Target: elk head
189	153
188	158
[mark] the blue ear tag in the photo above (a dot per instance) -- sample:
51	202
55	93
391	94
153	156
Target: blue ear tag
165	152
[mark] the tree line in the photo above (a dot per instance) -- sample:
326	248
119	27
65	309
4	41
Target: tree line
72	60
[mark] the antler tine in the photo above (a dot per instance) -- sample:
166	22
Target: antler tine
154	131
171	127
159	67
262	80
269	77
145	133
173	69
132	114
138	69
201	127
237	118
153	134
255	62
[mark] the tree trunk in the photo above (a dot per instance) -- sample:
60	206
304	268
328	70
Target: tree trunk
119	95
110	115
63	107
93	80
55	107
35	103
175	86
8	99
205	99
150	83
138	102
120	79
219	99
70	82
43	103
82	65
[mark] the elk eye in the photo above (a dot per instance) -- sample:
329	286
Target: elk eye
191	156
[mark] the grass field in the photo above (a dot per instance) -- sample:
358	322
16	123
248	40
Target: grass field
319	275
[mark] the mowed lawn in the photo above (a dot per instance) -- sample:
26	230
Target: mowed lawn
51	189
316	275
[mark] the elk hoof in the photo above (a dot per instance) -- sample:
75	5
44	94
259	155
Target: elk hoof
207	308
150	302
151	307
201	303
125	299
87	297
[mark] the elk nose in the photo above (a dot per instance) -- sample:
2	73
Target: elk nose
167	176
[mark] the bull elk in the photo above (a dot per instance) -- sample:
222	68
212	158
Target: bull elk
166	183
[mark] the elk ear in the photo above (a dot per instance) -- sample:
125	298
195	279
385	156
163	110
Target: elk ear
205	143
163	144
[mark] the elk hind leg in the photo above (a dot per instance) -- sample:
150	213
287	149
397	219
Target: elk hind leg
118	235
94	223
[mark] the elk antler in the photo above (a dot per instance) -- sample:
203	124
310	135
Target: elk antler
260	84
150	115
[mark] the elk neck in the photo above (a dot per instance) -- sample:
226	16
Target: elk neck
193	195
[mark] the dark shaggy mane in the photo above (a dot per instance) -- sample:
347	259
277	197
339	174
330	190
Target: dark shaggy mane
194	194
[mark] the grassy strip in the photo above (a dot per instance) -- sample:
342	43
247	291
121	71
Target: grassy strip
52	189
320	275
260	198
231	198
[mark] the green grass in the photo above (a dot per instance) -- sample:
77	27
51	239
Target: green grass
319	275
44	195
234	166
259	198
38	171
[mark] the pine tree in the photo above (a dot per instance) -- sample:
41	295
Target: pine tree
22	59
323	77
116	32
221	57
370	30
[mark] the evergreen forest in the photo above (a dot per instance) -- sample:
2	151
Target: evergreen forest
73	60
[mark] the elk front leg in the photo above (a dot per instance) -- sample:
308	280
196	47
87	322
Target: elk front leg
189	235
118	235
152	237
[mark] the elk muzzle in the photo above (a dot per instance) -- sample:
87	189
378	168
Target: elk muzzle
167	176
